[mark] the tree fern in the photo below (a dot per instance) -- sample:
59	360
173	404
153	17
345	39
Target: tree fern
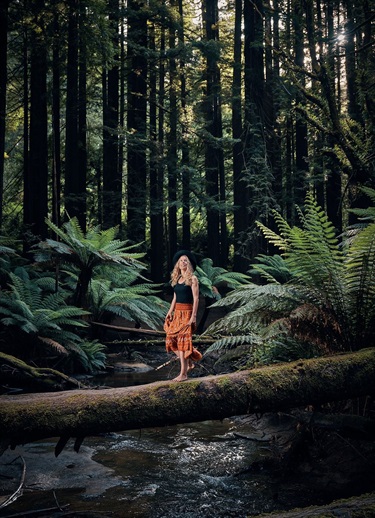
85	252
37	321
231	342
271	268
327	302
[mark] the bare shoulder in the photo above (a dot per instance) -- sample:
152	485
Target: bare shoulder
194	280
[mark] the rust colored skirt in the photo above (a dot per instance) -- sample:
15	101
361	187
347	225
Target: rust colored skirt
180	333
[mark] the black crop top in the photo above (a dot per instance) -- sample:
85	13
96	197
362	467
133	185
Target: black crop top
184	294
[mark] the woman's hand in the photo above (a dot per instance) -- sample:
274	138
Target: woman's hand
193	321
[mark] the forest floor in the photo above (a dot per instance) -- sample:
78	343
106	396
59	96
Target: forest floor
331	463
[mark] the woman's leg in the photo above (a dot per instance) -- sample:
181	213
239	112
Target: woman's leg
183	367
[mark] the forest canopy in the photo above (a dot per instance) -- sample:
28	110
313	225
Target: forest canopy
183	123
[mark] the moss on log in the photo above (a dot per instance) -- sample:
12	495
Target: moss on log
356	507
39	378
79	413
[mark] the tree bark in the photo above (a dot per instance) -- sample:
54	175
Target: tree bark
240	189
79	413
156	194
217	247
3	86
112	178
56	121
36	181
172	146
301	136
75	188
137	121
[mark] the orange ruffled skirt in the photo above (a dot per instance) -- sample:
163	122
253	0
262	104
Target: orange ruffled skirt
180	333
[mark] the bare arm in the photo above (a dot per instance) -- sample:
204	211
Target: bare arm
171	308
195	291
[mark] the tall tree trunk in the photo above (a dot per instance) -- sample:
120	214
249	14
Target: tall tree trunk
3	90
214	160
240	188
136	122
156	187
26	133
255	146
112	181
350	63
122	76
82	112
74	190
36	188
172	164
333	172
186	230
56	136
301	150
272	108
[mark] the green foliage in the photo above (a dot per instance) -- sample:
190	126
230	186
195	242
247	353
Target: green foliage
35	319
82	253
323	303
90	355
124	296
214	278
104	274
271	269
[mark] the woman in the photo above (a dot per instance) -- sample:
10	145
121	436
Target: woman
181	319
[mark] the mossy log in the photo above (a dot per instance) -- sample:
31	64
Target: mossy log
80	413
356	507
38	378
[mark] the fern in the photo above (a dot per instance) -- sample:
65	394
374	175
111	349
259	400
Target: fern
230	342
326	300
135	302
37	318
213	278
81	254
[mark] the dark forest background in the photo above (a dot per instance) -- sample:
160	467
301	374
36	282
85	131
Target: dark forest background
184	122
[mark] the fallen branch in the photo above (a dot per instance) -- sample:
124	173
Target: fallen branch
18	492
130	329
38	512
40	378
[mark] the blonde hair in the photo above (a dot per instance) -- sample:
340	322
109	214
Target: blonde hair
176	273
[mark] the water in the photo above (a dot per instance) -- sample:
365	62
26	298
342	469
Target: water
207	469
188	470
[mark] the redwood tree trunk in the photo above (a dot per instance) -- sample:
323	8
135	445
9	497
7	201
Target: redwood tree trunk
112	181
240	189
172	161
3	84
136	121
74	191
214	159
157	251
36	193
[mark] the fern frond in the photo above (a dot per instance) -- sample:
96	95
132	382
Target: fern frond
55	346
230	342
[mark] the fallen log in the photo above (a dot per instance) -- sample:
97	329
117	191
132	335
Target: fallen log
80	413
362	506
13	369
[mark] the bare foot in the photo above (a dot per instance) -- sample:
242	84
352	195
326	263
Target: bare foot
180	378
190	366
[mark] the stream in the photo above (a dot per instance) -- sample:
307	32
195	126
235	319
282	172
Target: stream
208	469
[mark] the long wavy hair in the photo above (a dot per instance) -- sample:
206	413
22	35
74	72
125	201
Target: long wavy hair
176	273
